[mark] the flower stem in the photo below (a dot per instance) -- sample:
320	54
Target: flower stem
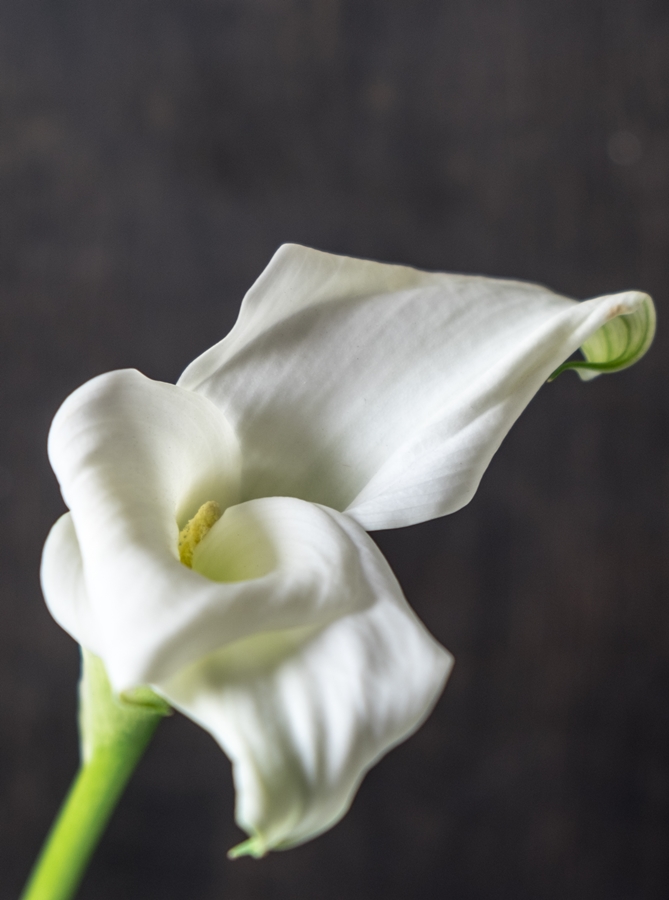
114	734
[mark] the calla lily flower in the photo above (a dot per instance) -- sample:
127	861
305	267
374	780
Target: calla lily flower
216	546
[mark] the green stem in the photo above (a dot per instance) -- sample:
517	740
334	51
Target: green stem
83	816
114	734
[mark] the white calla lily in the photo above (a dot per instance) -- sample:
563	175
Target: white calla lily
349	396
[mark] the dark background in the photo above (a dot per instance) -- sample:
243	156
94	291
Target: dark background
153	155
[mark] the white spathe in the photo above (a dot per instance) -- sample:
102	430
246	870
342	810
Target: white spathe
349	396
382	390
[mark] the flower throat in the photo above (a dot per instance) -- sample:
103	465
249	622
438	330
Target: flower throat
197	528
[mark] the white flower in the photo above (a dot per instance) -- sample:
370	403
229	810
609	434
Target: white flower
349	396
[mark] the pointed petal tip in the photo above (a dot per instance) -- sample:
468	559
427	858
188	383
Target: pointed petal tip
627	302
621	341
254	847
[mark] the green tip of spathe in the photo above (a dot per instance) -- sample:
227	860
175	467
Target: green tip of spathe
254	847
620	342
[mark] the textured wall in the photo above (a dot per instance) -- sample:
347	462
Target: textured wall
153	154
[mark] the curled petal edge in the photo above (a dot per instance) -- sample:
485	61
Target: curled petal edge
619	343
304	713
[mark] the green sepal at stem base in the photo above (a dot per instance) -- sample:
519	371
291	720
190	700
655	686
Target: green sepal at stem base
114	732
106	719
619	343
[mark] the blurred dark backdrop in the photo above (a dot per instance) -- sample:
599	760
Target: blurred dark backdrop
153	155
